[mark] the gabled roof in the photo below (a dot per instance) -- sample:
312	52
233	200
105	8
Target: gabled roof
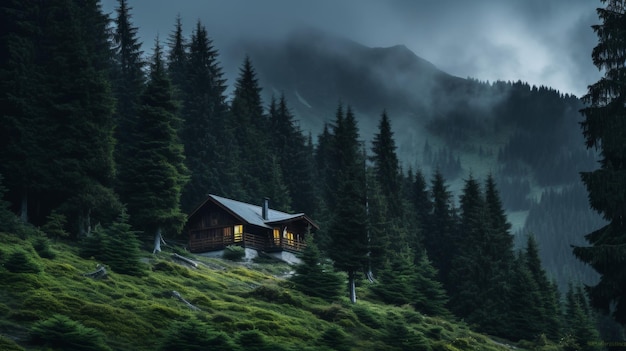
253	214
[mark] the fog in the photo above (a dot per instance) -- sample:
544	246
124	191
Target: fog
540	42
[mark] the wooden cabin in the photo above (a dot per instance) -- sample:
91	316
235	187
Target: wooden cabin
219	222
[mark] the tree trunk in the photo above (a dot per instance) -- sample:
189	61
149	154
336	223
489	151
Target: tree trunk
352	286
157	241
24	209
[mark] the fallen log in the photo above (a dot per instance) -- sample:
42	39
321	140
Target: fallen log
100	272
185	260
177	295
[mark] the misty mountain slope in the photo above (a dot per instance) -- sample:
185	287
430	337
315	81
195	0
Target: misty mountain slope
528	137
510	129
325	70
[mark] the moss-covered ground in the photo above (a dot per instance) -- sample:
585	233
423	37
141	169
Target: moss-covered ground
138	312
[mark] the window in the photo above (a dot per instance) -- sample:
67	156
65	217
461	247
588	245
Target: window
276	236
238	233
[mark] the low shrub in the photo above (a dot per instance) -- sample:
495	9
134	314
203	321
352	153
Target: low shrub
336	339
274	294
20	262
9	345
42	247
194	335
367	317
63	333
234	253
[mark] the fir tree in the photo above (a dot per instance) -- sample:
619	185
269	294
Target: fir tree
252	134
314	276
526	305
177	58
78	105
289	147
348	229
158	171
128	82
550	310
397	282
386	166
580	331
467	275
205	134
430	297
21	121
120	247
439	236
380	230
603	129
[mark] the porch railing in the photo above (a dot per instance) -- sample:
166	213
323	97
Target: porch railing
252	241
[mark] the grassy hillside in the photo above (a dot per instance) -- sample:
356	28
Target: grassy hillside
247	306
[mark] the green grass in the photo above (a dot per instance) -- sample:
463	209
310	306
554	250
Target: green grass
139	312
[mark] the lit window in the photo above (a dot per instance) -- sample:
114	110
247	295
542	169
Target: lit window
238	233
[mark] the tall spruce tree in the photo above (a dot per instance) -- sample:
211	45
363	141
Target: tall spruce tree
468	273
205	134
439	236
498	252
289	147
128	82
603	129
177	58
78	107
430	298
348	228
386	166
252	134
579	331
526	306
314	276
158	171
550	311
381	228
22	153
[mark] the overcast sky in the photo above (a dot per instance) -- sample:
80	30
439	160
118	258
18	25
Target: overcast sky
542	42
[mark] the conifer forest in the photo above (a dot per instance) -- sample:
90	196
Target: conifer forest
495	208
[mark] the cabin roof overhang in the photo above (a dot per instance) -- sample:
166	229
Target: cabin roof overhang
253	214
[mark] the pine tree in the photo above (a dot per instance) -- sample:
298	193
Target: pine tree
430	298
386	166
289	147
78	105
550	311
252	134
580	331
21	123
526	305
206	137
120	247
603	129
397	282
314	276
420	198
439	236
177	59
468	274
380	230
348	228
158	171
128	83
497	254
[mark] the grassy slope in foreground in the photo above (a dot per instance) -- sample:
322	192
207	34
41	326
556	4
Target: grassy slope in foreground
136	313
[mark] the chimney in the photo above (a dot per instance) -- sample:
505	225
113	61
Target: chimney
266	208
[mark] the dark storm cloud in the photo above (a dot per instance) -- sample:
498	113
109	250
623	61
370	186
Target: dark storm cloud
538	41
